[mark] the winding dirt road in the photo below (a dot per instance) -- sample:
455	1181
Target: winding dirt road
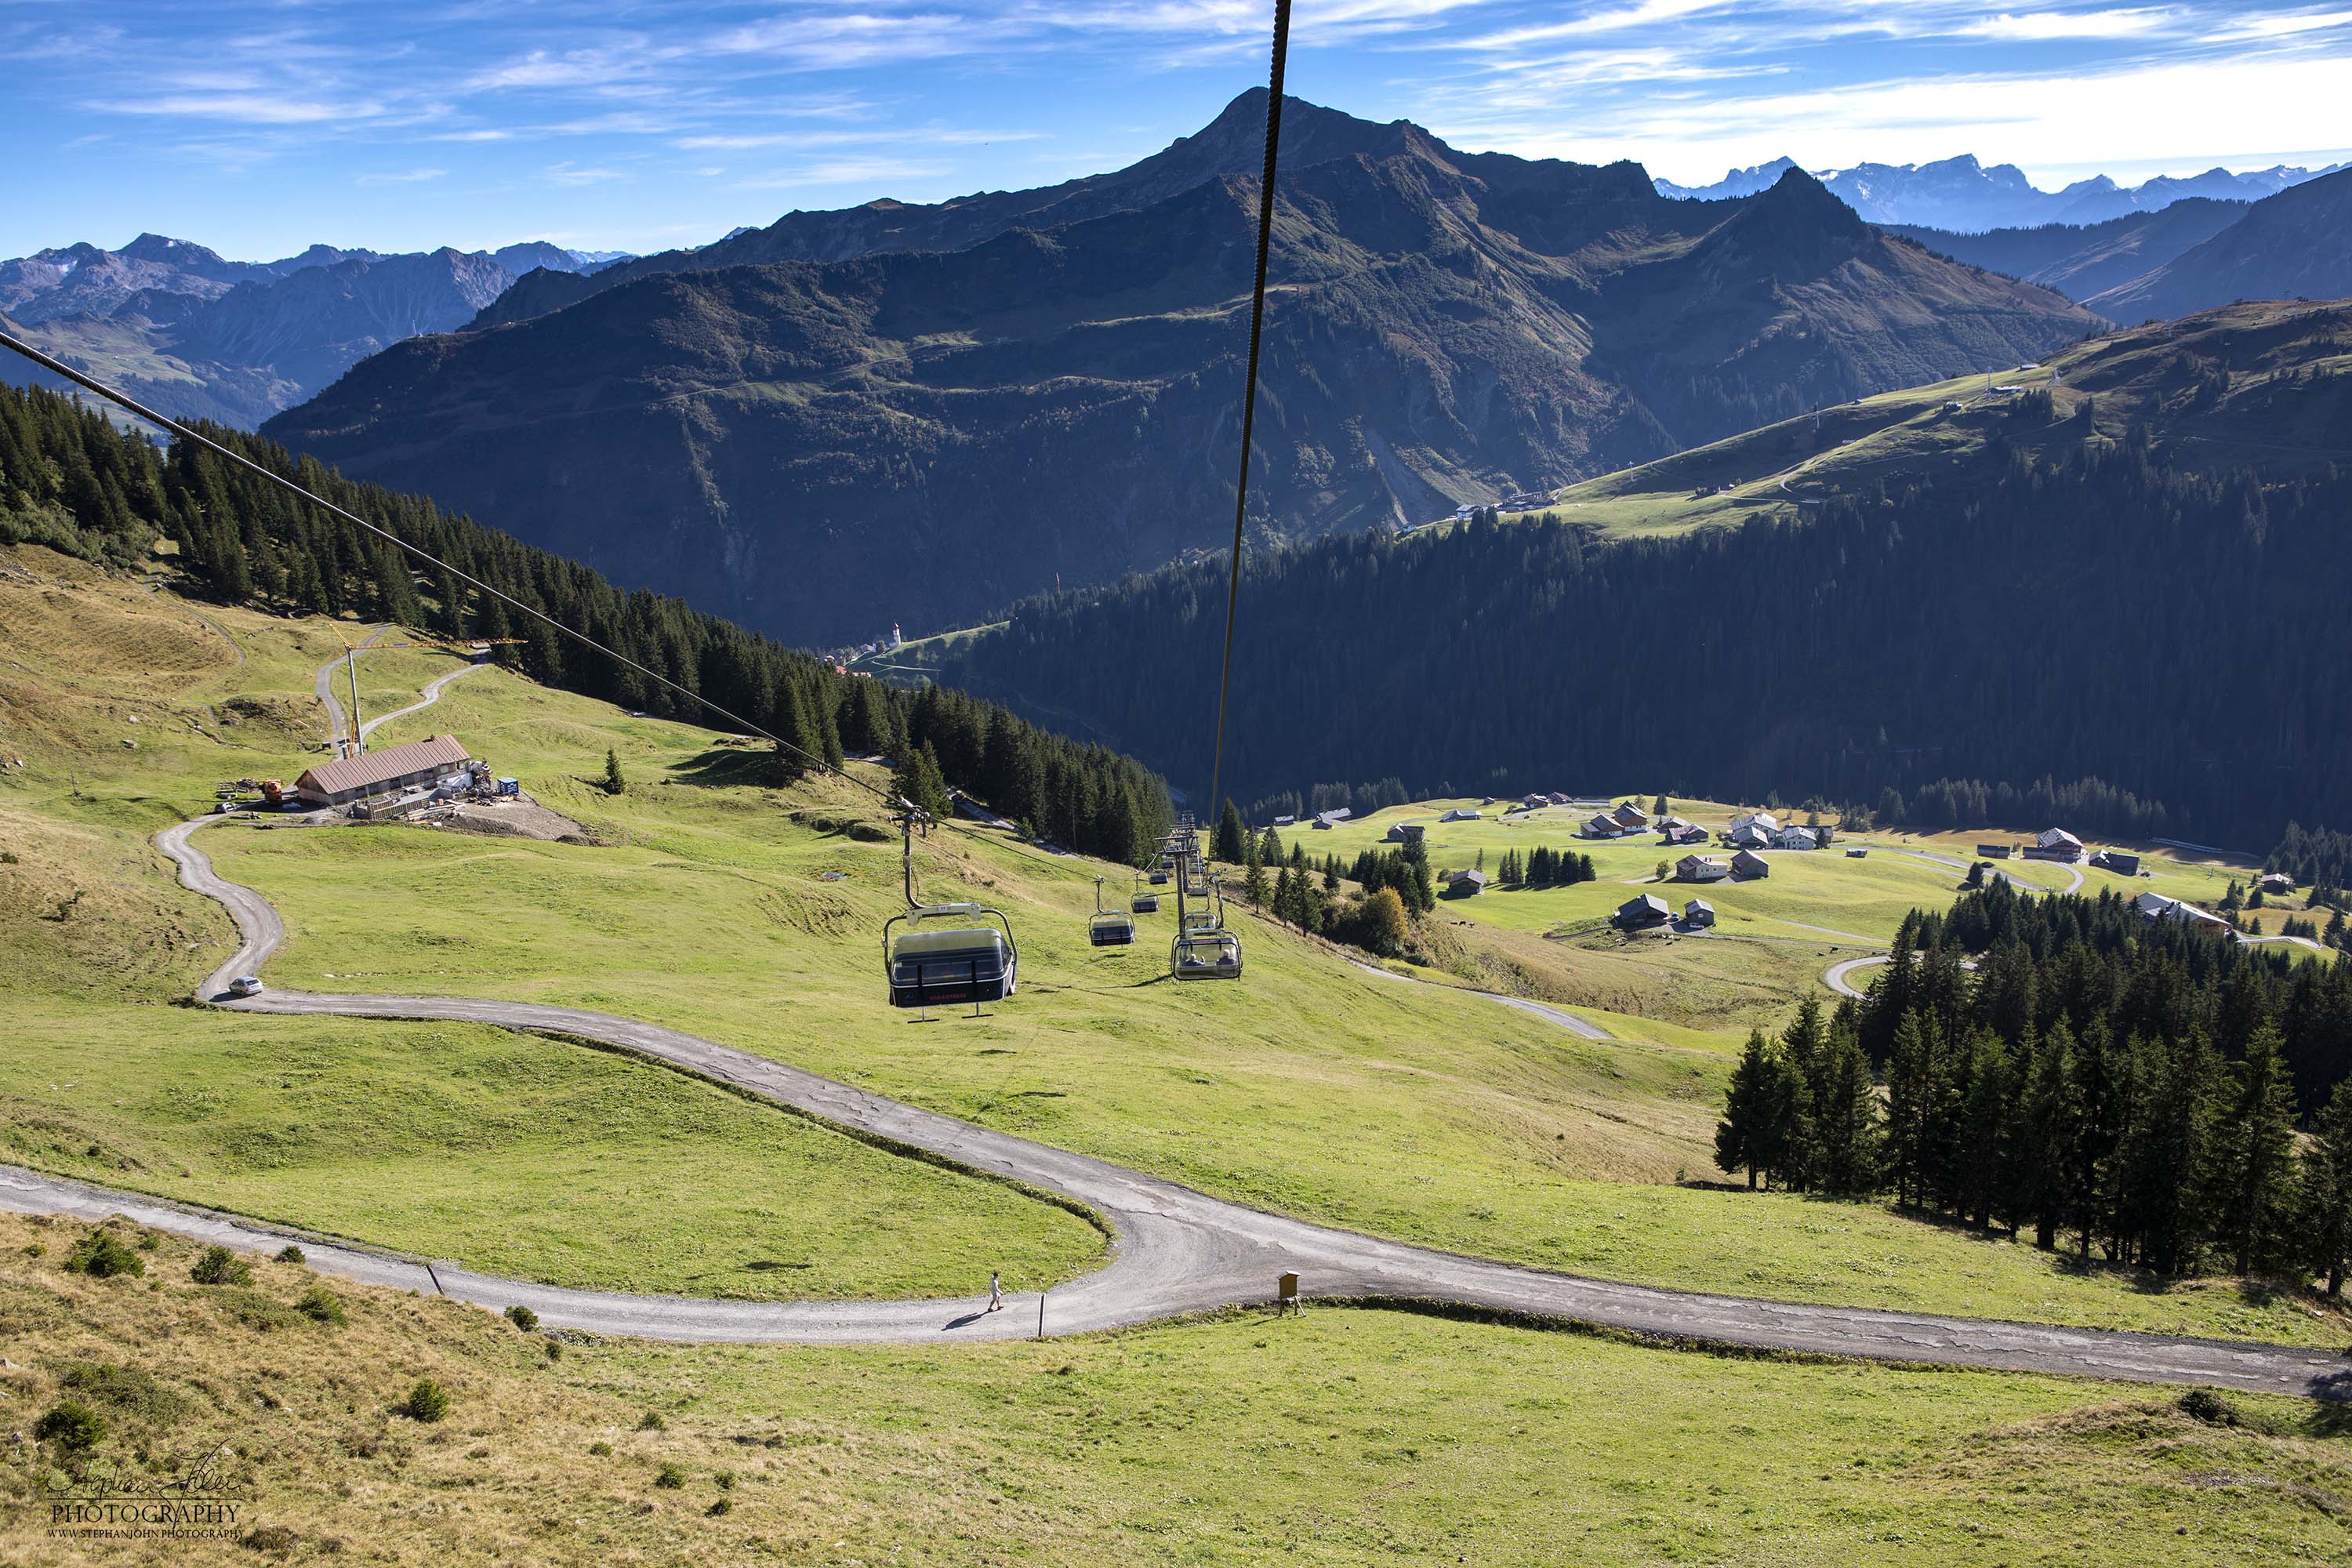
1174	1250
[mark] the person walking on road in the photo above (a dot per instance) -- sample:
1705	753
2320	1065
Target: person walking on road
996	1292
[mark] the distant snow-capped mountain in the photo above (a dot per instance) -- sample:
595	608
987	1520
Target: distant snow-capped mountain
1961	195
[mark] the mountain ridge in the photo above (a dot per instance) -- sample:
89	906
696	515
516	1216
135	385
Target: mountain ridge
824	447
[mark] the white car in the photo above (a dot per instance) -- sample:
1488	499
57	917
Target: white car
244	985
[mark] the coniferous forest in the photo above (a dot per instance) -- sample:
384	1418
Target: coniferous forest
2060	1065
72	480
2104	636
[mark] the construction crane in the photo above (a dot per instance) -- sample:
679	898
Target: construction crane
352	745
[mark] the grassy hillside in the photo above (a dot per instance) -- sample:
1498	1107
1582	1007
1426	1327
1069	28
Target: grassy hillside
1333	1440
1422	1112
507	1152
2216	382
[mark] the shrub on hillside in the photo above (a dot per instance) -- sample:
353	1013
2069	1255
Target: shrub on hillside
290	1253
102	1257
219	1266
522	1316
320	1306
428	1402
71	1424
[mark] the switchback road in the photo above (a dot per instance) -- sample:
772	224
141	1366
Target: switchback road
1174	1250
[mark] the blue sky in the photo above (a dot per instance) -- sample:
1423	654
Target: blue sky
259	126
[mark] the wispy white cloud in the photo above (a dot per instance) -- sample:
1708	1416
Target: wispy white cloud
242	108
404	177
570	173
2035	26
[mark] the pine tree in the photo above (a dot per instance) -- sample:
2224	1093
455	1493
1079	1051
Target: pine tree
1757	1111
2326	1206
2254	1157
1845	1119
917	779
614	783
1910	1106
1983	1108
1232	840
2045	1130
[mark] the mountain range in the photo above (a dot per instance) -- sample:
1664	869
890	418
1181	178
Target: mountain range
1962	195
201	337
823	444
2191	256
1885	615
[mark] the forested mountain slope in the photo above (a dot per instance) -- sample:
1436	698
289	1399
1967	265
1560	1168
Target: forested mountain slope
70	480
2154	612
819	449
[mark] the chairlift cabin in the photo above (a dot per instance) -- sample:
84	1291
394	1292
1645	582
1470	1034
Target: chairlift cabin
948	954
1143	901
1211	955
1109	928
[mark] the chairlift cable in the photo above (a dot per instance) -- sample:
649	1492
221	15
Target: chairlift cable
1249	392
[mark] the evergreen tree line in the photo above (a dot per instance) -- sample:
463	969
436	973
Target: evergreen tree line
2132	1088
1544	868
71	479
2093	805
2318	856
1865	654
1363	799
1405	870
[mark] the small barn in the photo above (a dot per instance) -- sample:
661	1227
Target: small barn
1643	909
1466	884
388	772
1698	912
2271	882
1681	830
2117	861
1631	816
1748	865
1992	851
1462	814
1603	826
1795	837
1406	833
1701	869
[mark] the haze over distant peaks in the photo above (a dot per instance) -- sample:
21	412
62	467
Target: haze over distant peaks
202	337
1962	195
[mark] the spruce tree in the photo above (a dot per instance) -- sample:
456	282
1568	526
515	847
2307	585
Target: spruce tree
1232	840
2326	1206
1846	1130
614	783
2254	1155
1758	1106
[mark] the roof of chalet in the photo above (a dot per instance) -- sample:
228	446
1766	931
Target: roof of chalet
372	768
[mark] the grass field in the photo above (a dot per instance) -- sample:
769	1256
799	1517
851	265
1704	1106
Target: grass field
1339	1438
515	1154
1420	1112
